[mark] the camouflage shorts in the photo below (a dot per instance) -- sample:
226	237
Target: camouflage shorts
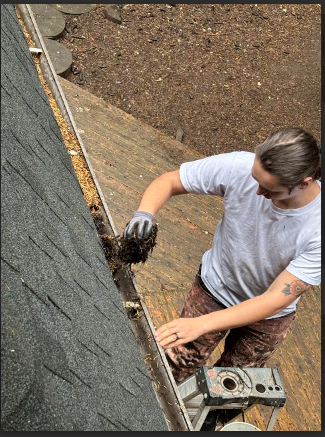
247	346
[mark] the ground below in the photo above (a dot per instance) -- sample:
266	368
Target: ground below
224	75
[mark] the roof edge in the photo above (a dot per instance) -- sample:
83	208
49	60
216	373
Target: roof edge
164	385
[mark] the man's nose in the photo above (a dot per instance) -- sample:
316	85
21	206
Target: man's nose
260	191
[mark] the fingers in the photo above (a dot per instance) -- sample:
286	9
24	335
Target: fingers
170	341
144	228
179	331
147	230
168	336
163	331
126	230
141	227
130	229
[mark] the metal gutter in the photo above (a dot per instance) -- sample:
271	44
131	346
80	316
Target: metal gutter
166	390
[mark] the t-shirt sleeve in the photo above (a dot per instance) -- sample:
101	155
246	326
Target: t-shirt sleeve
307	266
209	175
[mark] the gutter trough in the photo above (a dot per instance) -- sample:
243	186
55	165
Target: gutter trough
164	385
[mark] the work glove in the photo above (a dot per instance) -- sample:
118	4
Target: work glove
142	222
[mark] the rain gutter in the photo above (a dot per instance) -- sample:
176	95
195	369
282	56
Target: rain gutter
164	385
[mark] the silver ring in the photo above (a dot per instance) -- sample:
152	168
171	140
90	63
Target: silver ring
177	337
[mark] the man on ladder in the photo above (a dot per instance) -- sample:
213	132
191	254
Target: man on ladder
266	251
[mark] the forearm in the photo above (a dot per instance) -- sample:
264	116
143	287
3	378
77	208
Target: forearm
160	191
284	290
188	329
245	313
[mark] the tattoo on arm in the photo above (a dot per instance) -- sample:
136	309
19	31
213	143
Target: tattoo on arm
296	288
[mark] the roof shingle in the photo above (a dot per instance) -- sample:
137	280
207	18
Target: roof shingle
69	358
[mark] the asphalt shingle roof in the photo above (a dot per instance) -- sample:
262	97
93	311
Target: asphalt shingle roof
69	358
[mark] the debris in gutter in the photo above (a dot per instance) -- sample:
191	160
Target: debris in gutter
128	293
35	50
133	309
134	305
121	251
149	357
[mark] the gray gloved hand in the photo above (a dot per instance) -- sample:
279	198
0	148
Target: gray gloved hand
141	220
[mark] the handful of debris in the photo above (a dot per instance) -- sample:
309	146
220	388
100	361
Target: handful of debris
121	250
134	250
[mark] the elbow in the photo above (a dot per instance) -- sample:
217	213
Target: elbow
177	187
269	306
276	307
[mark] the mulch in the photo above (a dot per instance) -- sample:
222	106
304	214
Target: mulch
221	76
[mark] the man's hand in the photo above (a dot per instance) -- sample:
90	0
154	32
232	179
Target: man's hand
141	222
179	331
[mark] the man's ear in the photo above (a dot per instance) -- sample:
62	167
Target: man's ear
305	183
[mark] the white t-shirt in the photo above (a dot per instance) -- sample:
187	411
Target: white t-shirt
255	240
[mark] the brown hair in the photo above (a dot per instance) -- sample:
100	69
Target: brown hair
291	154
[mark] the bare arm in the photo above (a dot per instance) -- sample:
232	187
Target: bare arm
283	291
155	196
160	191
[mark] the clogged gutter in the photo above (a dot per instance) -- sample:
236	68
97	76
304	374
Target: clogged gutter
166	390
